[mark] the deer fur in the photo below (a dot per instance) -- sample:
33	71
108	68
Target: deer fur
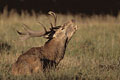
42	58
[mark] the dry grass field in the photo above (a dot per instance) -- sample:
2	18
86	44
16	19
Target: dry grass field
92	54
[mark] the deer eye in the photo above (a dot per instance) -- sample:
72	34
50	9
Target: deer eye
63	28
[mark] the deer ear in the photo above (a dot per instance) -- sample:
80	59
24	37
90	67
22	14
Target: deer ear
54	35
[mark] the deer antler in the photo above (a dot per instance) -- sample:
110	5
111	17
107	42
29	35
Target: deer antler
55	18
30	33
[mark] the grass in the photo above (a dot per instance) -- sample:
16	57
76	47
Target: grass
92	54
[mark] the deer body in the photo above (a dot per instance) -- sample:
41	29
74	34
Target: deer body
42	58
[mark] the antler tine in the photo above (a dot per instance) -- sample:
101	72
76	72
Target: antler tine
21	33
55	17
43	26
50	22
26	28
24	35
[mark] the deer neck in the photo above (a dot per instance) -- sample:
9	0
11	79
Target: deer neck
55	49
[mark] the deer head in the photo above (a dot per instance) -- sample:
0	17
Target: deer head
66	31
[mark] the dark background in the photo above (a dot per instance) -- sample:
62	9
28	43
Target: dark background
87	7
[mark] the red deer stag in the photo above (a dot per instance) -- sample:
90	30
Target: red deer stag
41	58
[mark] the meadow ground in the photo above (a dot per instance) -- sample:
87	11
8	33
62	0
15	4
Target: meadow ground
92	54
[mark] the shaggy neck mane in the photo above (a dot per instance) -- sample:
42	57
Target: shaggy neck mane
54	49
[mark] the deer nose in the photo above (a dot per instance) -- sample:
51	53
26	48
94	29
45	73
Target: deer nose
75	27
